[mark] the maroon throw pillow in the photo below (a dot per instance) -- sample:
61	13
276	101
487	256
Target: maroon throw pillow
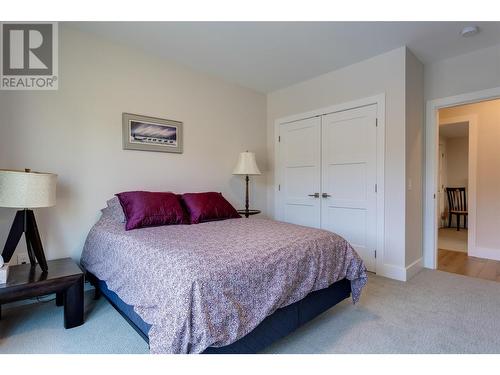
148	209
208	206
185	218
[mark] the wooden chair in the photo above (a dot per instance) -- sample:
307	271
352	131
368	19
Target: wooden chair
457	205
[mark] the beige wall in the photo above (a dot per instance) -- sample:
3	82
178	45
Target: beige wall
414	115
488	170
474	71
76	133
380	74
457	150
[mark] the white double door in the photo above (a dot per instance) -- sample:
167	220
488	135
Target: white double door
328	175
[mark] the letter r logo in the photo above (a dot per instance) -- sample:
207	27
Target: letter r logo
27	49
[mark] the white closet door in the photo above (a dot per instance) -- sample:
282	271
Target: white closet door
300	158
348	178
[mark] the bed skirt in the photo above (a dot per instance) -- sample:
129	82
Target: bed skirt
276	326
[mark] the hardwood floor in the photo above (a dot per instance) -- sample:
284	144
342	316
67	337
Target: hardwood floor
451	239
459	262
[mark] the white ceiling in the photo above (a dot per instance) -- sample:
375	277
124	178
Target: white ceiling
455	130
267	56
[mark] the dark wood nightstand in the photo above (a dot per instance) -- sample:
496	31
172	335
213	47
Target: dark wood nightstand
247	213
64	277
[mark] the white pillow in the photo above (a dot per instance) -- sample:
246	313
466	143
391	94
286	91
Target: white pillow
114	210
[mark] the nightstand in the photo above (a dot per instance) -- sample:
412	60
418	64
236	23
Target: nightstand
248	213
64	277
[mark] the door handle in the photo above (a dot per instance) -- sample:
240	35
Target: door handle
325	195
315	195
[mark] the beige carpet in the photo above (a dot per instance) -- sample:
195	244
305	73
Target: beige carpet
451	239
435	312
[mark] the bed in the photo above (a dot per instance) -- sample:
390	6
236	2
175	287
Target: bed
230	286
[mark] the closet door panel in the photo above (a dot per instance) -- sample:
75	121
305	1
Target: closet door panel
348	203
300	157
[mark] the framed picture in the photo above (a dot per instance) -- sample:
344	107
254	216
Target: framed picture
151	134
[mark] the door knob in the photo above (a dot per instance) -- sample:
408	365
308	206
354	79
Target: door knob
325	195
315	195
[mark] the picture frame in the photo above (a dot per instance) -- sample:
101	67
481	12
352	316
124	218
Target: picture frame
144	133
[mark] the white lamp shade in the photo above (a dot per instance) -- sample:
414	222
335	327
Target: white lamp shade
246	164
20	189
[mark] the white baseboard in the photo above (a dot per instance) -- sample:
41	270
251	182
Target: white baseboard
401	273
414	268
485	252
392	272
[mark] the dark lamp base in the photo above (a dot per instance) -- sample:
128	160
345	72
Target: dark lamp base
25	222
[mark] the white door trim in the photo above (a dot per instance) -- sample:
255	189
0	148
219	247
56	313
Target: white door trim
431	170
379	100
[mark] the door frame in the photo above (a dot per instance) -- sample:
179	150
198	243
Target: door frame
441	201
432	172
378	100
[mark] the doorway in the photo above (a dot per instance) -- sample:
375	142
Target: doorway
453	189
462	179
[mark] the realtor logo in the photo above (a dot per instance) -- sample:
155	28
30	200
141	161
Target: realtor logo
28	58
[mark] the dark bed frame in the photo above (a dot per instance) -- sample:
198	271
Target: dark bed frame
276	326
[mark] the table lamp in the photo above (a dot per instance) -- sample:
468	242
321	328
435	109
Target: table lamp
26	190
246	166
